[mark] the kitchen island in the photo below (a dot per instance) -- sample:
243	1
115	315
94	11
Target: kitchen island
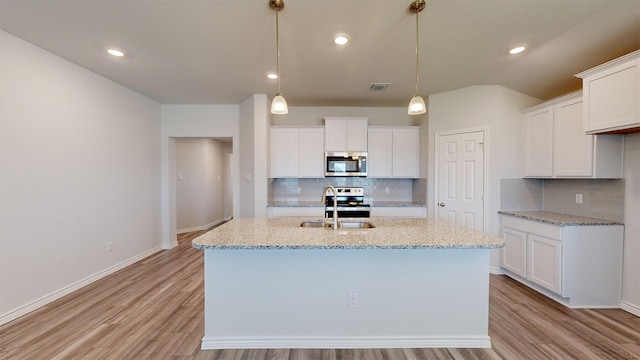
270	283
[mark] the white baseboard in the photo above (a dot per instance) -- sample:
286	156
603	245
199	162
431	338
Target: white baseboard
38	303
170	245
629	307
203	227
347	342
496	270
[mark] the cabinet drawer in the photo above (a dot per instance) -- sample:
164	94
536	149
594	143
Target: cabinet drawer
533	227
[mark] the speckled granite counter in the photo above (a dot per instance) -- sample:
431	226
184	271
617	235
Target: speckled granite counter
559	219
286	233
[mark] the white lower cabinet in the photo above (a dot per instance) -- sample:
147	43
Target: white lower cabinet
578	266
544	262
514	252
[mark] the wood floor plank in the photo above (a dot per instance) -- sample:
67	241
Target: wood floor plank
154	309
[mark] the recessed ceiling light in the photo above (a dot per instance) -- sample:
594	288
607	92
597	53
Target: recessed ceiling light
517	50
272	76
115	52
341	40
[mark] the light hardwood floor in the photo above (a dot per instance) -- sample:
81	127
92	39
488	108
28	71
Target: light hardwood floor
154	310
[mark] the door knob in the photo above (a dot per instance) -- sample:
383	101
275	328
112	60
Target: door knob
441	204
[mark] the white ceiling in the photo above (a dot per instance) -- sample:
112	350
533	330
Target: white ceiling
219	51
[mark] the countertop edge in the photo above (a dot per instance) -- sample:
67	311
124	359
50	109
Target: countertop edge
346	247
548	218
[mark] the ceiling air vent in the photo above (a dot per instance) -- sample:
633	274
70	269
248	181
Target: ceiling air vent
378	86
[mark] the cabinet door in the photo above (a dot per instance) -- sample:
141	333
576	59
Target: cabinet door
284	153
345	134
335	135
311	153
573	150
544	265
612	98
357	135
538	143
379	158
515	251
406	153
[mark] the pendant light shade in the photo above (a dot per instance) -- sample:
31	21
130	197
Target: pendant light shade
417	105
279	104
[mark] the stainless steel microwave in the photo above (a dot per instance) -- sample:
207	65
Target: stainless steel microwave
345	164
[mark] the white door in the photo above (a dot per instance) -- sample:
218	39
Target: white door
461	179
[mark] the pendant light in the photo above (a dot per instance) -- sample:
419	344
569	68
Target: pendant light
417	105
279	104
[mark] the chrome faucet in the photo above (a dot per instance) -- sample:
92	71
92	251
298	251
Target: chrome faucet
335	204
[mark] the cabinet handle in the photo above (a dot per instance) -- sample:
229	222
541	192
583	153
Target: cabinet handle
441	204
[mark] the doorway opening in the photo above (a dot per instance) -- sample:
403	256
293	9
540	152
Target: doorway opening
203	186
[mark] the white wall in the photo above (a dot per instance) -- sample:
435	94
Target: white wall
497	109
631	272
253	156
313	115
200	187
184	121
79	168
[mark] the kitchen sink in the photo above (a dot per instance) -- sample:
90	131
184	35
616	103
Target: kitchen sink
341	224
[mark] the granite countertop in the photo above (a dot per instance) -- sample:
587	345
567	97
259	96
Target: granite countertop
559	219
286	233
296	203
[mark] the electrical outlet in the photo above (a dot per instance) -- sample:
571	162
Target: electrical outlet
353	300
109	247
386	190
578	198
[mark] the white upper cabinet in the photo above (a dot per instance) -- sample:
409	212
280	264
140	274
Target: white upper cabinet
394	152
538	142
379	158
297	152
345	134
311	157
612	95
572	149
284	152
406	152
555	144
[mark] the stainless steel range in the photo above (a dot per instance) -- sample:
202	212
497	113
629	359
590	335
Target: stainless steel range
350	203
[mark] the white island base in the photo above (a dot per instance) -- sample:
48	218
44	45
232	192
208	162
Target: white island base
346	298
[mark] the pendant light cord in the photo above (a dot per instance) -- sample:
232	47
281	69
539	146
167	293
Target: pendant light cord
417	42
278	50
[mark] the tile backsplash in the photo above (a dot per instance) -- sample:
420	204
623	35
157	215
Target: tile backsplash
303	190
521	194
603	199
